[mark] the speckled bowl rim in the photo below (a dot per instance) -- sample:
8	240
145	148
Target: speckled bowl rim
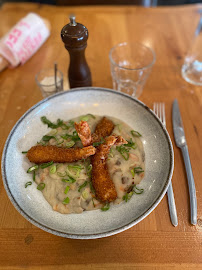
87	236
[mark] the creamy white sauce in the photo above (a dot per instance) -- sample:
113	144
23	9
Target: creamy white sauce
56	190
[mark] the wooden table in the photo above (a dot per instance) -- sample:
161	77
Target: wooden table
153	243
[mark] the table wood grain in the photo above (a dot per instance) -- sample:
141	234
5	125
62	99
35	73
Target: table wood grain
153	243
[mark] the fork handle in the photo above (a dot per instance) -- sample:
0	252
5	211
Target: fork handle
191	184
172	207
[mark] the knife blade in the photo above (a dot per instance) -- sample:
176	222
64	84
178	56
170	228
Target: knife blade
180	140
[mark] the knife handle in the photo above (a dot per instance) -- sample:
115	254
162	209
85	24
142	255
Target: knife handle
172	207
191	184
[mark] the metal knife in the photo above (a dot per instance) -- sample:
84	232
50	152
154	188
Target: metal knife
180	140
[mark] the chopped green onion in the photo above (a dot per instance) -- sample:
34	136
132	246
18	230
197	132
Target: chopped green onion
128	196
52	132
89	169
74	137
123	151
65	137
41	143
50	124
133	173
85	194
93	202
66	189
34	175
135	190
53	169
138	170
71	123
91	187
70	144
98	143
111	154
125	197
139	190
28	184
76	168
60	142
41	186
24	152
61	174
33	168
69	180
68	126
45	165
66	180
82	186
135	133
66	201
131	144
91	115
119	126
106	207
86	117
65	127
47	138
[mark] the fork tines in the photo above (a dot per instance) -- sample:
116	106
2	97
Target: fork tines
159	110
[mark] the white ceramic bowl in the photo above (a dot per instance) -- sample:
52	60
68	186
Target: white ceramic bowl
66	105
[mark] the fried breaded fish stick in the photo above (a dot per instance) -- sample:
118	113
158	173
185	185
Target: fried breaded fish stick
40	154
84	132
102	183
103	129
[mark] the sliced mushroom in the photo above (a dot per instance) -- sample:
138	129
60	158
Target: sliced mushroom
124	180
118	162
129	189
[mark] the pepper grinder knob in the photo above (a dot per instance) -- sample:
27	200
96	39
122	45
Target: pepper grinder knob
75	36
72	20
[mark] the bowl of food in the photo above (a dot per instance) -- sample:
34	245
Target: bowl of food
87	163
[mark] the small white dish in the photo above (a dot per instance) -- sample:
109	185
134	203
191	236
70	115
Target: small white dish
66	105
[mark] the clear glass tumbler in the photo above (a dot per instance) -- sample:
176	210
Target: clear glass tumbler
131	65
192	67
48	83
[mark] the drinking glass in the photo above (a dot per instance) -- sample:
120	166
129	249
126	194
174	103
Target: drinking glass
48	83
131	65
192	67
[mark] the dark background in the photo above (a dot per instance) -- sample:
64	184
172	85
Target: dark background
146	3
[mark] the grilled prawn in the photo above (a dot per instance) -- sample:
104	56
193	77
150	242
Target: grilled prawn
103	129
40	154
84	132
102	183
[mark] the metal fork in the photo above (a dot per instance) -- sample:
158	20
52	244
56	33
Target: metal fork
159	110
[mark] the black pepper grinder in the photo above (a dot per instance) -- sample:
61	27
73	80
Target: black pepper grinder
75	35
